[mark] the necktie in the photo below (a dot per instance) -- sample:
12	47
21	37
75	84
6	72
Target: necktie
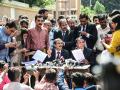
58	55
63	36
83	27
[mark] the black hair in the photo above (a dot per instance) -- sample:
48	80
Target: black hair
38	16
60	17
11	24
20	16
91	80
78	78
83	16
114	12
110	77
42	11
50	75
116	19
53	21
13	73
94	17
102	17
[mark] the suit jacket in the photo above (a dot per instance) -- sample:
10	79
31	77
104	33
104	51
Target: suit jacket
91	29
89	55
68	39
64	53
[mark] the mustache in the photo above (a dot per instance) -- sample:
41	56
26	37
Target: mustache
40	23
61	46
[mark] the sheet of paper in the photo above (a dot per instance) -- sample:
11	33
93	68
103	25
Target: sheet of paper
78	55
39	56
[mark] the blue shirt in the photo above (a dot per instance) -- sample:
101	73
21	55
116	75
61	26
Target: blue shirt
51	36
4	38
79	89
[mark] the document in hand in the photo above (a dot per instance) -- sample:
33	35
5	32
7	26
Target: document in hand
78	55
39	56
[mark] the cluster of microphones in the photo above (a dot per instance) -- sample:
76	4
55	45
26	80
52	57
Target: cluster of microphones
57	64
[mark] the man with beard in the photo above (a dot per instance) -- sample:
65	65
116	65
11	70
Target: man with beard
102	30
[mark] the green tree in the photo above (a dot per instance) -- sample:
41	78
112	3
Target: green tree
43	3
99	8
110	5
1	1
39	3
87	10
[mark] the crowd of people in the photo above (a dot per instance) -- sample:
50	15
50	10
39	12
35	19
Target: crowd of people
20	39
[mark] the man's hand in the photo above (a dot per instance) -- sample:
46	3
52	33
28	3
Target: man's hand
36	74
49	51
16	33
83	33
10	45
24	50
26	78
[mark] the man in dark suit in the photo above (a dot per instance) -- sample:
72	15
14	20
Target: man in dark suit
87	31
88	53
57	52
64	34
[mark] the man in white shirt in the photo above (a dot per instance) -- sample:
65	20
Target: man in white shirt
103	30
14	75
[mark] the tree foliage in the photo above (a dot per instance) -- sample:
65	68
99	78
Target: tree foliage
1	1
39	3
99	8
110	5
87	10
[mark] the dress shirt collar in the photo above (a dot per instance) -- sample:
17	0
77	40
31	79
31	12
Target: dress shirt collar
58	51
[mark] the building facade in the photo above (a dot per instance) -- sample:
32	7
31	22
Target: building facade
68	8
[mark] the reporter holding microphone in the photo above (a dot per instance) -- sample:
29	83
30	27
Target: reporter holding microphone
115	41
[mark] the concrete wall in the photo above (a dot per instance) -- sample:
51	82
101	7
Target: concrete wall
13	10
